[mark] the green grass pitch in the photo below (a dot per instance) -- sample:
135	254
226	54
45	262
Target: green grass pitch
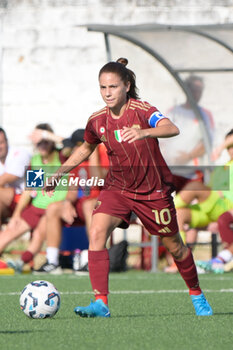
149	311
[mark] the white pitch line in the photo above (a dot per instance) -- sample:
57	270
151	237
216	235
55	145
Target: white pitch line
165	291
206	277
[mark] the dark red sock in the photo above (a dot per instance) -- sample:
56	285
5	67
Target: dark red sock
188	271
98	265
226	232
27	256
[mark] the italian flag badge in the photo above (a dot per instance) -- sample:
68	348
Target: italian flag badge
118	135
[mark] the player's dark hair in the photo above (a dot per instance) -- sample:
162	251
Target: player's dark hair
4	133
126	75
44	126
229	133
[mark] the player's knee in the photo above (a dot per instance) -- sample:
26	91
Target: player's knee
53	209
94	233
96	238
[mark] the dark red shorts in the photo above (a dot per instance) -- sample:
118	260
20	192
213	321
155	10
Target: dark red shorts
158	216
32	215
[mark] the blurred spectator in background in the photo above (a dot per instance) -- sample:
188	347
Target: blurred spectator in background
188	148
30	209
224	260
76	208
13	163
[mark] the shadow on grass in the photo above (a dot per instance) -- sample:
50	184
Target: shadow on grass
22	331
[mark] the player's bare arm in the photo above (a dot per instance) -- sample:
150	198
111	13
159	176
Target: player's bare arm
164	129
7	178
76	158
184	157
37	135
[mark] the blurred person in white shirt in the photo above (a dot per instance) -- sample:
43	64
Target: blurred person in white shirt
13	163
188	149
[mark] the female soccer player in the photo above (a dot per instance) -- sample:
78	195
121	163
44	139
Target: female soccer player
138	180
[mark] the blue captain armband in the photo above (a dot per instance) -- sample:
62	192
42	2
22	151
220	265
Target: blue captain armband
155	118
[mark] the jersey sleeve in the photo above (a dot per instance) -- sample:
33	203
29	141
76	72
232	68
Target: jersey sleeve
90	136
154	116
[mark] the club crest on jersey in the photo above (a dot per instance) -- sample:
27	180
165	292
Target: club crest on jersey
102	129
118	135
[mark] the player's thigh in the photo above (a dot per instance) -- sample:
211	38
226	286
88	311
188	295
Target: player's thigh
101	228
16	231
158	216
84	208
115	205
88	205
54	209
6	196
40	229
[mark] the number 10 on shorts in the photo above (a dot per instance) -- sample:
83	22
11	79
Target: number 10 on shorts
162	216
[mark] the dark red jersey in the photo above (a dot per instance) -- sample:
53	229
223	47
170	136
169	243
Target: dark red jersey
136	169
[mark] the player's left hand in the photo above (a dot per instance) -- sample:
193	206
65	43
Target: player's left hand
132	134
36	136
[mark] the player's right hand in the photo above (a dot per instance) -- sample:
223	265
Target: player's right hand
49	189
